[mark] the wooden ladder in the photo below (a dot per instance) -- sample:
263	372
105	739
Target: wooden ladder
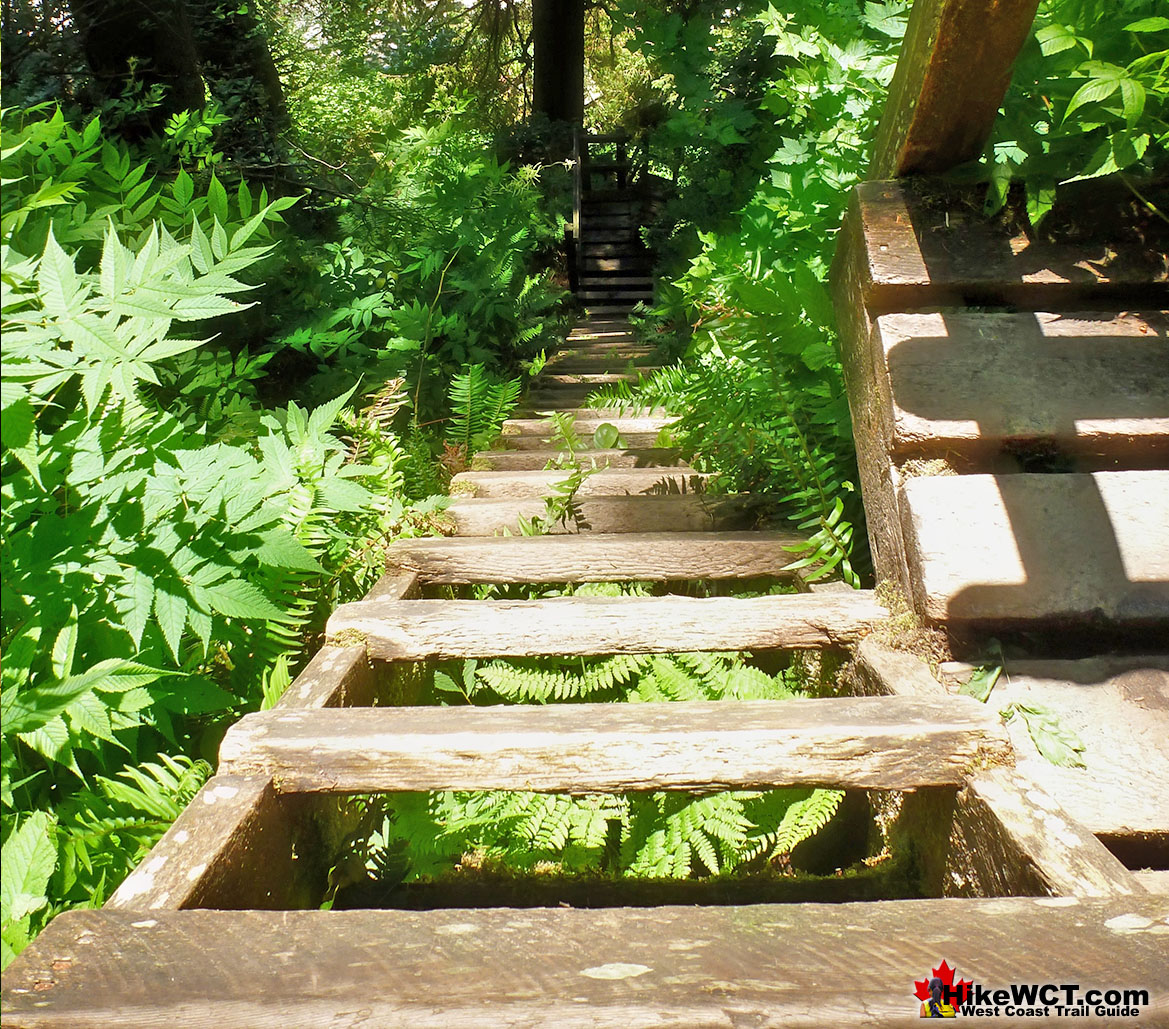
217	926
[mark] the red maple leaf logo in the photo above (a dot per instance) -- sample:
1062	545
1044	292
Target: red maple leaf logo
944	972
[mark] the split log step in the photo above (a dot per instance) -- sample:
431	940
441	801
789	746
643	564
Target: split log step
615	265
595	308
596	557
878	743
616	294
424	630
767	964
614	482
616	281
1087	549
587	422
550	380
511	460
920	252
690	512
959	382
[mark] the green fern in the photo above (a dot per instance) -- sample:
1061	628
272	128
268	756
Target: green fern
479	407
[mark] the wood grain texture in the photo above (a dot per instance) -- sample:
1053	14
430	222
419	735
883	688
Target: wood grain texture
687	512
1010	838
952	72
771	966
972	383
424	630
607	482
587	422
234	826
511	460
1118	705
878	477
598	557
921	249
855	742
1055	548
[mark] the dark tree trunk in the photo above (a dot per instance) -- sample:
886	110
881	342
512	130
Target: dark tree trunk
145	41
558	74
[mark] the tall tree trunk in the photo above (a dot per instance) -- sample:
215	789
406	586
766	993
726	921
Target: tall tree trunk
558	73
145	41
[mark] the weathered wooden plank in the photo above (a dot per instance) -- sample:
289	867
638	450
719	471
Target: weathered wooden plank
607	482
422	630
918	249
766	965
1055	548
878	477
1154	880
1118	705
233	826
689	512
640	457
553	379
952	72
587	422
972	383
596	557
855	742
1010	838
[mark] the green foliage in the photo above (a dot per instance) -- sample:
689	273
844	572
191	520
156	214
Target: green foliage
1089	98
663	835
479	408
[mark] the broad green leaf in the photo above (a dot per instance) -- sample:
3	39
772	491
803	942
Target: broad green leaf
57	279
1154	24
217	199
981	682
1058	744
183	188
237	598
606	436
1092	91
28	860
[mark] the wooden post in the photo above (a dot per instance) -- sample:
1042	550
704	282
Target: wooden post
558	44
952	73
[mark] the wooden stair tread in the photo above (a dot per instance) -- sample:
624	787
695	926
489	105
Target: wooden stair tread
1028	548
1119	707
606	969
850	742
596	557
640	457
687	512
916	258
422	630
607	482
589	420
961	381
548	380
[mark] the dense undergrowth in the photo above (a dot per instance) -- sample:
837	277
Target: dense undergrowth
246	343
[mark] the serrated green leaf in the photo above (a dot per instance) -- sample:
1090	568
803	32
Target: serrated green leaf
238	598
217	199
27	862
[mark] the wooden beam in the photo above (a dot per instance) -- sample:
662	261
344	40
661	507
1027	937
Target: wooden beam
858	742
764	965
234	826
424	630
952	73
1011	838
599	557
607	482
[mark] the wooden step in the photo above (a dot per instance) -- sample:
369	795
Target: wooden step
609	482
603	363
972	383
549	379
595	557
881	743
646	457
1016	549
608	969
587	422
596	308
622	249
616	281
615	265
690	512
423	630
617	294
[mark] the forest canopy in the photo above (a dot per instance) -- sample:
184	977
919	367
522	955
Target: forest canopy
273	271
